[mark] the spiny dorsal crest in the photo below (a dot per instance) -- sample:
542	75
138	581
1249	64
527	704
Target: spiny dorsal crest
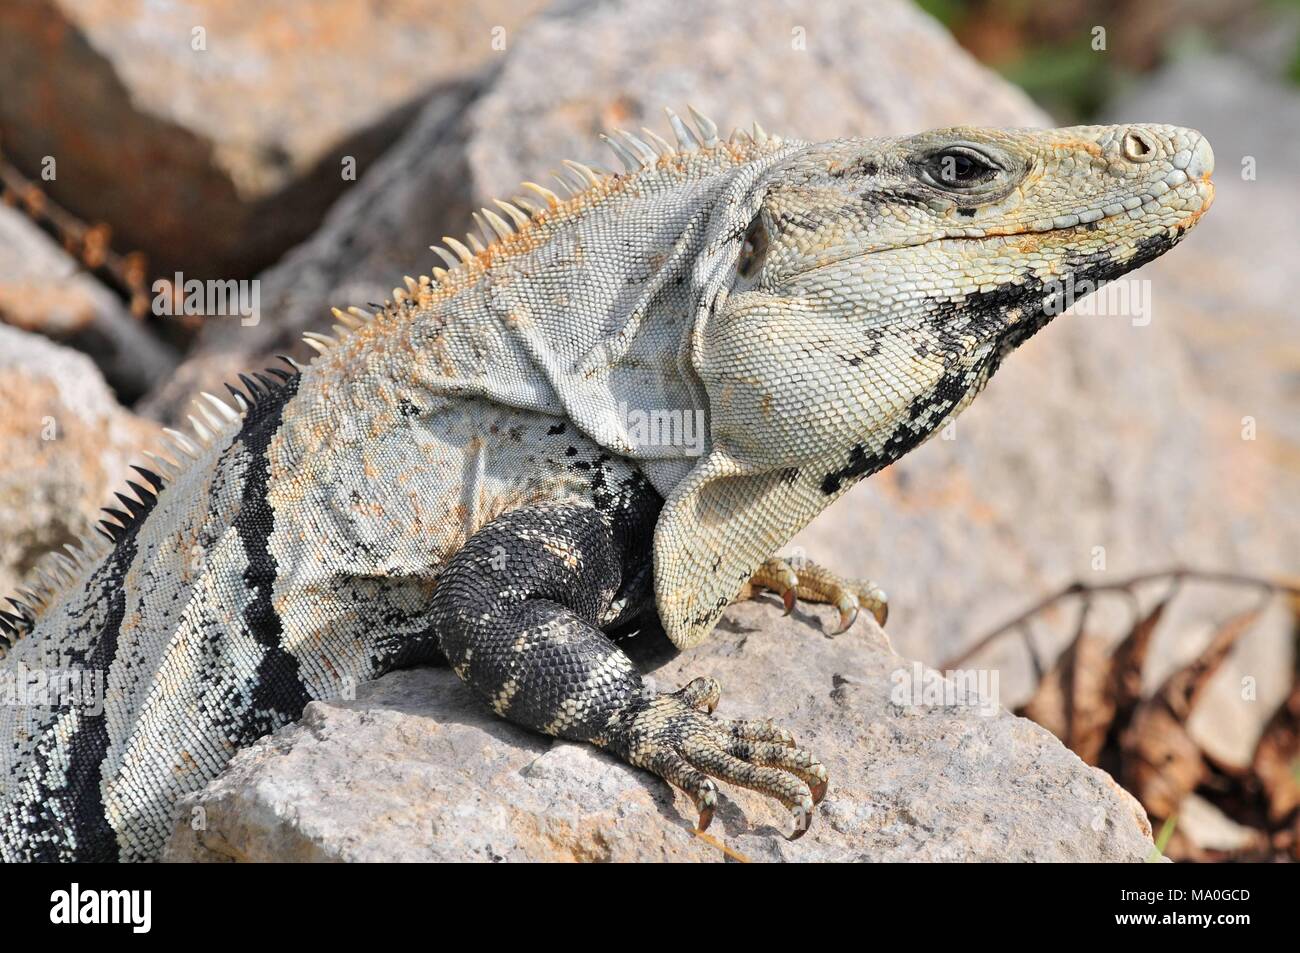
573	180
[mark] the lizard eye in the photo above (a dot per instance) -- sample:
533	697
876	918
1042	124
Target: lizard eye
754	250
959	167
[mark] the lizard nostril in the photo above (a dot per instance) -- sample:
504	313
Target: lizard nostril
1138	146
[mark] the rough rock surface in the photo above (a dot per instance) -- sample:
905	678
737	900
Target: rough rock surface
67	447
809	70
796	68
42	289
236	115
417	768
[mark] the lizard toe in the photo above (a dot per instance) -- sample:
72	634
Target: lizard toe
762	731
788	788
676	770
702	694
801	763
799	578
778	576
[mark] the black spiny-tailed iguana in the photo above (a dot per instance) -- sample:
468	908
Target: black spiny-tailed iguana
466	475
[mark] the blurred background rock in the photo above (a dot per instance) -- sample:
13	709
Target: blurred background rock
322	146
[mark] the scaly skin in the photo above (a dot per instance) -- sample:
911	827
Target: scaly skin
468	473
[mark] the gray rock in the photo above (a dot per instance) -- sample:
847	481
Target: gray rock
812	71
375	233
212	136
417	768
42	289
67	447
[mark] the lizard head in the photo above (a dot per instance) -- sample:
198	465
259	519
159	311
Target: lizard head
878	283
889	277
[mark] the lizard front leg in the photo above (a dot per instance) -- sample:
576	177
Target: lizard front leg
517	613
799	578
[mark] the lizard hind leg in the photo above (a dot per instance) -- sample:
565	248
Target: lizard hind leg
517	613
797	578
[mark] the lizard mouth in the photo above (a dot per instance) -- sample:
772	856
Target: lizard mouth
1194	170
1189	178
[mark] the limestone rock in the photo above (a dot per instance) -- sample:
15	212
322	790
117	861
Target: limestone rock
42	289
377	232
67	445
417	768
804	70
213	135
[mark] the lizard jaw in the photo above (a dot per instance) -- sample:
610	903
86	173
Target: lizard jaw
1186	180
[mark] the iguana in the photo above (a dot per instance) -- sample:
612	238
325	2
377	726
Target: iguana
495	467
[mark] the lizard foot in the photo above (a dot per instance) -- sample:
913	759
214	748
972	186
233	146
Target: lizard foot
675	735
802	579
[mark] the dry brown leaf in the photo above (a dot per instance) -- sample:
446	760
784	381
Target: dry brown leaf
1130	658
1089	686
1071	700
1049	706
1183	688
1092	703
1276	763
1161	762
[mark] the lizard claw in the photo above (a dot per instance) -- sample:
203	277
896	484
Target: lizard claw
702	694
777	574
848	605
802	821
675	736
874	598
817	584
705	802
880	611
